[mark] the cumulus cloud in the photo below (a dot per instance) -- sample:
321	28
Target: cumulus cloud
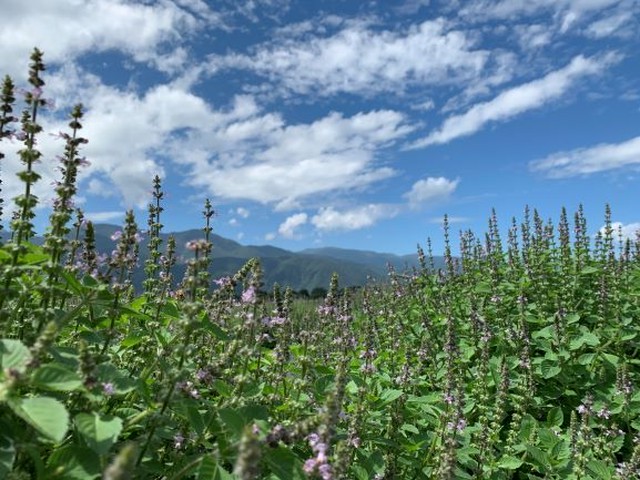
585	161
429	190
287	229
328	218
260	158
361	60
517	100
148	33
128	133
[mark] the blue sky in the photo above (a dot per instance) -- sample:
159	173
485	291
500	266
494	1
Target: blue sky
355	124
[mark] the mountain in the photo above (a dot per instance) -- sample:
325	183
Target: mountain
307	269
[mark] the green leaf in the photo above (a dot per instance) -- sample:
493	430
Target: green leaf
389	395
284	464
223	388
588	270
56	377
549	369
45	414
600	470
233	420
122	382
509	463
99	431
210	470
587	338
14	354
483	287
73	462
555	417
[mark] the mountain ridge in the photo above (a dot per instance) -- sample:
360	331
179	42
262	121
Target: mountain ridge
302	270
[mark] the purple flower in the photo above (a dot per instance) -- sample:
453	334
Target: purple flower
273	321
309	466
117	235
249	295
223	282
178	441
108	389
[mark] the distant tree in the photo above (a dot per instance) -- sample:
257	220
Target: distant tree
319	292
304	293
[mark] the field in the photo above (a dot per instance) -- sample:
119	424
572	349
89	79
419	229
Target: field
518	360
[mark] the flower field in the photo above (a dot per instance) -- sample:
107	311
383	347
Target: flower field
519	360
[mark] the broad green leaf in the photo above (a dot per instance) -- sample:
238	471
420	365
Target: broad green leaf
233	420
99	431
210	470
538	457
73	462
14	354
555	417
586	338
588	270
45	414
284	464
56	377
409	428
600	470
389	395
120	379
222	387
549	369
509	463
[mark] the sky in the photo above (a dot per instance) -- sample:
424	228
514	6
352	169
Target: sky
353	124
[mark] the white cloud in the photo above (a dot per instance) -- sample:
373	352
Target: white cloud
584	161
611	25
431	189
518	99
243	212
510	9
126	131
262	159
233	222
533	36
364	61
629	231
148	33
328	218
100	217
270	236
424	106
287	229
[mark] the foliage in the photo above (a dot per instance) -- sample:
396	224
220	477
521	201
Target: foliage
508	363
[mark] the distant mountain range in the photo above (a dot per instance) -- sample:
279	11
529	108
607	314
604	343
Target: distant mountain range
307	269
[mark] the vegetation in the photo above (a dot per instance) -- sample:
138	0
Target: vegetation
518	360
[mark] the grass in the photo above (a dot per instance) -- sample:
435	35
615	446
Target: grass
519	360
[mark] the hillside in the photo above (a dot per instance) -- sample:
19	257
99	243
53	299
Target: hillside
306	269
